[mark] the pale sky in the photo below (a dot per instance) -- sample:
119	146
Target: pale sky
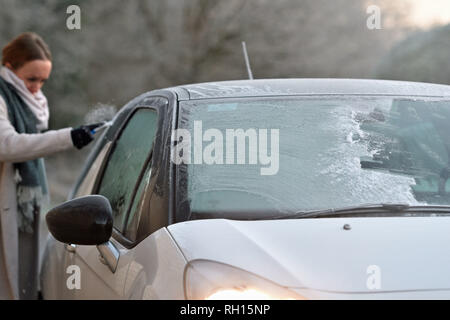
428	12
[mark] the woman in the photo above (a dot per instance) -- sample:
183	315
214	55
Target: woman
24	113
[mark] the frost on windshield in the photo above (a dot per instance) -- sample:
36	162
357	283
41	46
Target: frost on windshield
333	152
416	135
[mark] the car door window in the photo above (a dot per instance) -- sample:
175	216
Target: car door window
126	162
136	208
87	185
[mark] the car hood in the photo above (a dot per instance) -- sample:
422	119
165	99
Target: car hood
407	253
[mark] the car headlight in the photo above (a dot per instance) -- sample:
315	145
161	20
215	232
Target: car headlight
209	280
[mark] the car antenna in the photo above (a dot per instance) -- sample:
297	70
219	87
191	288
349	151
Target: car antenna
247	61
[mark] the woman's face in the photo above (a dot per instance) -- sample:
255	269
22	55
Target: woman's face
34	74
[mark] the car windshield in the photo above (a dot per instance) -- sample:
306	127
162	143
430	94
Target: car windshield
249	157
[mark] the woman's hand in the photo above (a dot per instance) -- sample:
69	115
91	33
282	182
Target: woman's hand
82	136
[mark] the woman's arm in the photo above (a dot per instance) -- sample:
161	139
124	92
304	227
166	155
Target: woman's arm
15	147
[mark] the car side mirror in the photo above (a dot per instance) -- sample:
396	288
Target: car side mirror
83	221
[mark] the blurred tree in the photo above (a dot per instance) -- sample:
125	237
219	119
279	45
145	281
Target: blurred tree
125	48
421	57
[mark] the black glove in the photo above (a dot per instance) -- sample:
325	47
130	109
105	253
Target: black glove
81	136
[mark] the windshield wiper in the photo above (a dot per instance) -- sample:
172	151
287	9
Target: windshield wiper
382	208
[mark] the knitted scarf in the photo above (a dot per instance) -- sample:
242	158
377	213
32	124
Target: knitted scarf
30	175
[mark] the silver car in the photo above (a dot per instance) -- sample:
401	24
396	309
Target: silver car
262	189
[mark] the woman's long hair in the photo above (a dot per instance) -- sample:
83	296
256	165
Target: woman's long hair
26	47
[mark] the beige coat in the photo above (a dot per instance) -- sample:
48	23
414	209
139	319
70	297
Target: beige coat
16	147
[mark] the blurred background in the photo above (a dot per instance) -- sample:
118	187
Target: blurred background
125	48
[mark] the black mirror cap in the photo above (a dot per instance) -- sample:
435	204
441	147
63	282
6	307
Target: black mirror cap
83	221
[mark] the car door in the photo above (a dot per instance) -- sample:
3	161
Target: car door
118	177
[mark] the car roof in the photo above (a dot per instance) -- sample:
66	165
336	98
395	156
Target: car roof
282	87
